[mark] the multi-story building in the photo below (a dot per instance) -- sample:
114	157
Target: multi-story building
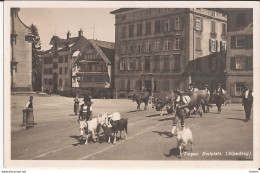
93	67
21	54
77	63
239	51
157	48
57	62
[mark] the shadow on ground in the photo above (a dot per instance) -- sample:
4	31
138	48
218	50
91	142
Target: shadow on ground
166	134
173	152
236	119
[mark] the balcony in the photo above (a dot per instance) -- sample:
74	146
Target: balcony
91	74
94	84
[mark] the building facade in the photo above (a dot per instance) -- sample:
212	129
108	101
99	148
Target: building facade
21	54
239	51
93	68
57	62
157	48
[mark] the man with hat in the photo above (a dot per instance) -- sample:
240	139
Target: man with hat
192	89
247	102
219	96
86	110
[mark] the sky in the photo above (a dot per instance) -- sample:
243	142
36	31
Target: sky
95	22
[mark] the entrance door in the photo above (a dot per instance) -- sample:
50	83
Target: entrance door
148	86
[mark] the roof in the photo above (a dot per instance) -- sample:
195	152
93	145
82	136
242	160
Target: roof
121	10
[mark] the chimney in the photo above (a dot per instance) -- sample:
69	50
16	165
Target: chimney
68	34
80	33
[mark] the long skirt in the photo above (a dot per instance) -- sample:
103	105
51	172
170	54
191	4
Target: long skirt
76	108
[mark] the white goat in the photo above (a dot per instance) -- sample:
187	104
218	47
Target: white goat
184	137
89	126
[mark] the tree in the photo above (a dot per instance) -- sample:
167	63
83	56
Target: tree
36	60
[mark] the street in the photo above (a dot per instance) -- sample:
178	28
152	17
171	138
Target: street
222	136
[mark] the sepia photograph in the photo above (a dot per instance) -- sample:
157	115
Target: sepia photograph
130	83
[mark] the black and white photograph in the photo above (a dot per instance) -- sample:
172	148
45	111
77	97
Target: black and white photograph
127	82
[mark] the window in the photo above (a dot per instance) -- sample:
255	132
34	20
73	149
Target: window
177	24
213	45
148	28
240	40
48	60
198	23
167	44
213	27
66	82
224	29
60	82
222	46
198	43
123	34
50	81
122	84
132	16
239	89
45	81
157	26
122	64
158	10
139	29
47	70
177	61
138	85
241	20
147	64
66	70
166	62
166	85
138	63
139	14
123	49
131	30
167	25
148	13
139	47
131	47
213	63
66	58
240	63
177	43
157	64
60	59
128	85
123	17
60	70
131	64
157	45
213	13
167	10
148	46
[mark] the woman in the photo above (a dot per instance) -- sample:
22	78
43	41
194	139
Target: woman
76	105
86	110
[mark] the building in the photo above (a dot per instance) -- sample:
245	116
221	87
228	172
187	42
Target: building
57	62
157	48
76	63
93	68
21	54
239	51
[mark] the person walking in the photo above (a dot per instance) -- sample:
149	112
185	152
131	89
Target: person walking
76	105
247	102
86	110
219	96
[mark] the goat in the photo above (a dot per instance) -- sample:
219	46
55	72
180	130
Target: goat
184	137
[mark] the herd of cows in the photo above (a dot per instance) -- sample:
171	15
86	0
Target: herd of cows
192	103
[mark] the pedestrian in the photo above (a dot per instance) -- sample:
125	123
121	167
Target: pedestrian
247	102
206	87
29	104
192	88
219	96
76	105
86	111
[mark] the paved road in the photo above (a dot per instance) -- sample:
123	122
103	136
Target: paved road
222	136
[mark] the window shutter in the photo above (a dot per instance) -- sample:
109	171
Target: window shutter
233	42
181	43
201	24
172	24
194	23
232	89
209	45
221	46
182	23
232	63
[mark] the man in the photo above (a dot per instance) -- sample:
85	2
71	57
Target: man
206	87
192	88
86	110
219	96
29	104
76	105
247	102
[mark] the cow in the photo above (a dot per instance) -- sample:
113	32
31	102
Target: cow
141	97
119	125
163	99
91	126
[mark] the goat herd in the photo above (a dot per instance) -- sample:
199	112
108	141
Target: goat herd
112	123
